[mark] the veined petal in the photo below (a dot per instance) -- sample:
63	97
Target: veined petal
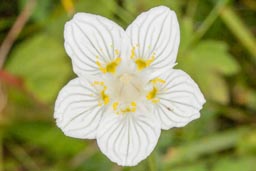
180	100
155	38
77	111
93	43
128	139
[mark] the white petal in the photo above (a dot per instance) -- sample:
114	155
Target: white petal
180	100
128	139
90	38
156	31
77	111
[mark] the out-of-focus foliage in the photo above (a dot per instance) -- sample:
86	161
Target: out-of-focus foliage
45	69
217	62
217	49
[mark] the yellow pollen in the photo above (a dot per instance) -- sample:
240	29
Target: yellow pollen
152	94
133	104
115	105
133	53
155	100
117	52
127	109
158	80
104	97
102	69
100	83
142	63
110	67
101	87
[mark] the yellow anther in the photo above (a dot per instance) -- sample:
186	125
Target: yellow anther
104	97
152	94
124	109
142	63
133	53
115	106
100	83
117	52
158	80
155	100
102	69
133	104
101	87
110	67
128	109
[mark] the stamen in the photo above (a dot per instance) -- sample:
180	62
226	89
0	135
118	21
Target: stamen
142	63
101	87
110	67
104	97
117	52
157	80
133	53
153	93
115	105
124	109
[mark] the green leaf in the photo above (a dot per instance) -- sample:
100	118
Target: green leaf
41	10
42	64
210	144
42	135
215	56
247	144
103	164
207	63
193	167
229	163
186	29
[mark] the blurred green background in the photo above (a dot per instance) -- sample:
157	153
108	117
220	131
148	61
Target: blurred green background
218	50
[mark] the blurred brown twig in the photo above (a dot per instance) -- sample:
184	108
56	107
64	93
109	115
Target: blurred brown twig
15	30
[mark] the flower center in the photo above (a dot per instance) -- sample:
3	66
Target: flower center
128	88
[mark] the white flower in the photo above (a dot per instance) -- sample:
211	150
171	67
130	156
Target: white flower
126	90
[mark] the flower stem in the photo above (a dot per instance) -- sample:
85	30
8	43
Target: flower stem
1	153
238	28
191	8
207	23
152	162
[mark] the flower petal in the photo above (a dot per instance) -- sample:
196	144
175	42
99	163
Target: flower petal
77	111
128	139
155	37
92	42
180	100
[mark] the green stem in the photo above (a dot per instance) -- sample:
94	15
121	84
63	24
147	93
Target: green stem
152	162
1	153
205	146
22	156
238	28
210	19
191	8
